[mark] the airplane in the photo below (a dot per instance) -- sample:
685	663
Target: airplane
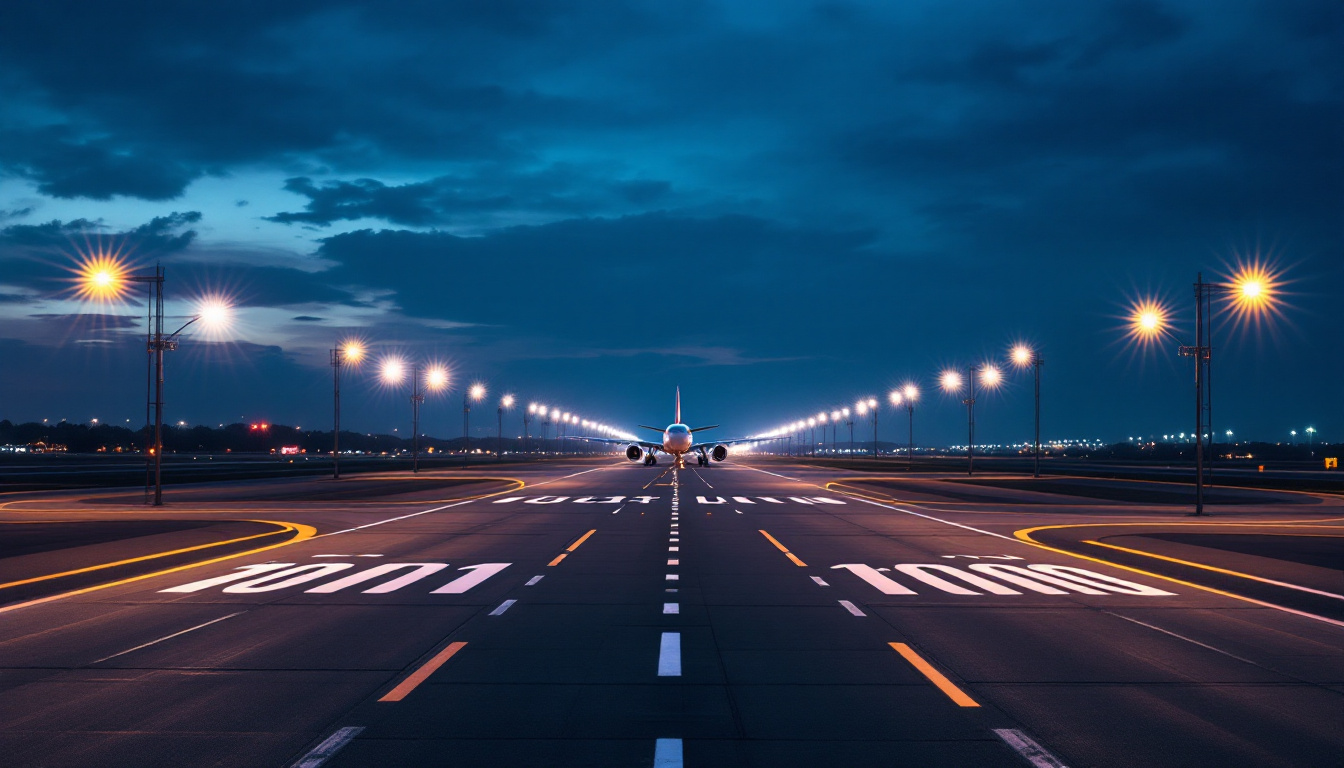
678	440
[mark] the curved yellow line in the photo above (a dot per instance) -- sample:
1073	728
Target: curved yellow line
301	532
284	528
1024	535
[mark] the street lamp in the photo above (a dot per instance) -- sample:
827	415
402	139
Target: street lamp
1023	356
351	352
812	423
1311	451
871	404
989	377
907	395
504	402
1253	295
393	373
476	392
527	422
103	278
821	419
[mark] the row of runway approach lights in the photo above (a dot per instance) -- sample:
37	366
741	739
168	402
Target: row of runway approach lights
985	376
434	378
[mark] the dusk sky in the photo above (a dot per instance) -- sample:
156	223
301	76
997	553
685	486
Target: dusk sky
778	206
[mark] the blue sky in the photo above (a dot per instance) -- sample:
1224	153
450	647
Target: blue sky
779	206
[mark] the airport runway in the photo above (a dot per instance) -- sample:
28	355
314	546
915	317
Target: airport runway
600	613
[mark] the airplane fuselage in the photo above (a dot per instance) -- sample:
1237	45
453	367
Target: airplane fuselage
677	439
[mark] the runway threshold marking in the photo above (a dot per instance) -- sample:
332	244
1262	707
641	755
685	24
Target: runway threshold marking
784	549
1023	745
425	670
329	747
1024	537
937	678
168	637
284	528
1215	569
301	533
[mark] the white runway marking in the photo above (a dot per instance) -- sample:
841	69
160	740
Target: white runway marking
669	655
672	577
738	511
674	549
669	590
820	582
671	608
169	637
1183	637
504	606
532	581
667	753
330	746
1026	747
674	562
852	608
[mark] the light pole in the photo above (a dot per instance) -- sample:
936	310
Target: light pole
103	278
907	396
1311	431
1252	292
393	373
527	421
812	424
475	392
871	405
1026	356
348	353
951	381
849	420
504	402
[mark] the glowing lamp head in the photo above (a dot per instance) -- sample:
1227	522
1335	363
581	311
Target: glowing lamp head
102	277
1022	355
990	376
506	401
214	313
844	412
352	352
436	378
911	392
1147	320
821	417
950	381
812	421
894	397
861	408
477	392
392	371
872	402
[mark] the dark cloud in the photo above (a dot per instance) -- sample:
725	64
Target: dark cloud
561	189
306	319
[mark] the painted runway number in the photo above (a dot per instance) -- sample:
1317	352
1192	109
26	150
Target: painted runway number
997	579
387	577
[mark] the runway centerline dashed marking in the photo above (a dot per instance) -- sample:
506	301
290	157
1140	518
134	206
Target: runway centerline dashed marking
329	747
848	606
532	581
1034	753
504	606
669	655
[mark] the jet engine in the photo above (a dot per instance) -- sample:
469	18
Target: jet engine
718	452
634	453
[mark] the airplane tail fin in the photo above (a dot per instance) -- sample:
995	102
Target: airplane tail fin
678	420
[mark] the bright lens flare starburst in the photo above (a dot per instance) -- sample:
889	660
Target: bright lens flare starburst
477	392
352	351
1147	321
436	378
215	313
990	377
392	371
950	381
102	277
1254	290
1022	355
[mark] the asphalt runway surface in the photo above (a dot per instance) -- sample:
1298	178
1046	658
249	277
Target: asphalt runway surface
601	613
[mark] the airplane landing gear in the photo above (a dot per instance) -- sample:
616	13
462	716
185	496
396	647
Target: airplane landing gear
702	461
650	460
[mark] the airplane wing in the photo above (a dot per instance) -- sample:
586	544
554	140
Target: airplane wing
712	443
616	441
